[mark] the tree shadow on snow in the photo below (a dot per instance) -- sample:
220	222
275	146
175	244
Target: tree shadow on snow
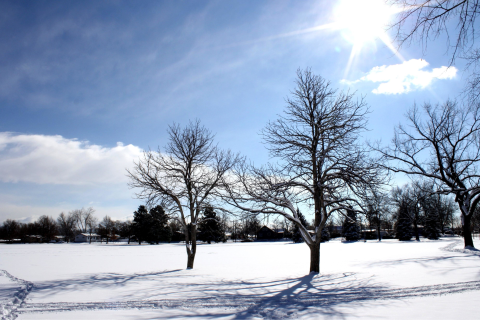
196	297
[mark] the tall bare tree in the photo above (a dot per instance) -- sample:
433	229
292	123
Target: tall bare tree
184	178
443	147
321	161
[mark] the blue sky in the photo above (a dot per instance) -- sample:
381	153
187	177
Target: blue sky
86	85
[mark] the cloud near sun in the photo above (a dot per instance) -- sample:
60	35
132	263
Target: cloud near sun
405	77
46	159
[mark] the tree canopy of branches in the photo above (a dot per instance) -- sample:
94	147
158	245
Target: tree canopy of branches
321	162
185	177
376	203
443	148
426	20
106	228
66	226
85	219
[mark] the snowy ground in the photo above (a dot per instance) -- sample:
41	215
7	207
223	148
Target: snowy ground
387	280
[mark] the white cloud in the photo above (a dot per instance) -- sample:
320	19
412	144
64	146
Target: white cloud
45	159
405	77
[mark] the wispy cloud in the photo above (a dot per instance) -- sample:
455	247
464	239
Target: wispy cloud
405	77
43	159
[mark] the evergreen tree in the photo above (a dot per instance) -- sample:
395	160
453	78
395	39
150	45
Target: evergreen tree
296	234
211	227
159	229
252	225
350	230
325	234
430	229
141	224
403	226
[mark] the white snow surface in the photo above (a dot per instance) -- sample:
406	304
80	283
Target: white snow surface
257	280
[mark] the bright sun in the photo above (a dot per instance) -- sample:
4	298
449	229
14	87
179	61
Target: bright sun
363	21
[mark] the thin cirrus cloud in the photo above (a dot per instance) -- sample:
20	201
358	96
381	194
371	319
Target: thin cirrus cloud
43	159
408	76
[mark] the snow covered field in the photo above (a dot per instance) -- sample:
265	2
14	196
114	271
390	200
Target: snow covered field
387	280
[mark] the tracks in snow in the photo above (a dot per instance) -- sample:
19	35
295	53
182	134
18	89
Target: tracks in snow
304	299
9	309
309	294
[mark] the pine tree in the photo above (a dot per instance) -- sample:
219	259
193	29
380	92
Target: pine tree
403	226
430	229
159	230
211	227
325	234
296	235
141	224
350	230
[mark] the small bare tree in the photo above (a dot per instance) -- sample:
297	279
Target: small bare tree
66	226
443	148
376	201
106	228
184	178
321	162
84	218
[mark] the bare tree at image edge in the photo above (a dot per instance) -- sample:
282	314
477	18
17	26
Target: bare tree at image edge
443	146
321	163
185	178
426	20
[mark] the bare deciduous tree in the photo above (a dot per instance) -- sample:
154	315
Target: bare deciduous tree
66	225
443	148
321	162
184	178
84	218
106	228
426	20
376	201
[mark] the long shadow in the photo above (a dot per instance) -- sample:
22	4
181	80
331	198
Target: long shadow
105	280
281	298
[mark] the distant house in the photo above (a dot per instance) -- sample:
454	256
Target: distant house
32	238
265	233
85	237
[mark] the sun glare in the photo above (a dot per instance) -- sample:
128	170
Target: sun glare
363	21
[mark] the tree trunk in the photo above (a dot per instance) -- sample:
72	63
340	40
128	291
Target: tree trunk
379	231
415	227
467	233
191	251
315	257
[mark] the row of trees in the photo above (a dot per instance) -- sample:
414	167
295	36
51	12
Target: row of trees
321	166
66	225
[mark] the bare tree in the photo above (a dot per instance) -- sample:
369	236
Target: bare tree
10	229
47	228
426	20
66	225
321	162
376	201
106	228
185	178
84	218
443	148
